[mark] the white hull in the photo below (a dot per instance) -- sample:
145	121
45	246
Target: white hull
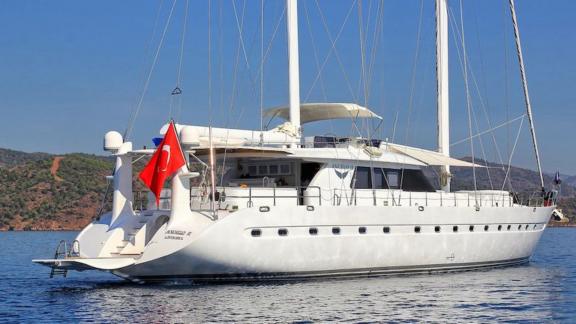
226	249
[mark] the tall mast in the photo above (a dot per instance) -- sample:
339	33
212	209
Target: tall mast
443	99
525	87
293	63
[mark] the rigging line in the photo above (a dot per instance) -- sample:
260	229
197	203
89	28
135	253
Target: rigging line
468	99
178	90
210	112
457	39
482	149
525	87
506	90
462	62
413	79
333	49
506	176
128	131
315	52
261	67
375	43
488	130
148	51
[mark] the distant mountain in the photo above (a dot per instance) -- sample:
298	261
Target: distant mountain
40	191
570	180
10	158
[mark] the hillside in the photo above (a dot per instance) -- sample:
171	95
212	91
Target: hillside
39	191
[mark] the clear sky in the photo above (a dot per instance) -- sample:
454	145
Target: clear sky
72	70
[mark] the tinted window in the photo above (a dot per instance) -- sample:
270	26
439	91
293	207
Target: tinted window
335	230
362	230
386	229
379	181
393	178
256	232
362	178
313	231
282	232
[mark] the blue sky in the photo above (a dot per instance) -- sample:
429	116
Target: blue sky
72	70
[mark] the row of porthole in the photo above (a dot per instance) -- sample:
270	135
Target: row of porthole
362	230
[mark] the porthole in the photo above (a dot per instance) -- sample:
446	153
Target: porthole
336	230
386	229
282	232
526	228
499	227
534	226
519	227
313	231
454	228
417	229
256	232
486	228
509	227
362	230
437	229
471	228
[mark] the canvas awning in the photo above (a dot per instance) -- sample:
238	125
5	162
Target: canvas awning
430	157
310	112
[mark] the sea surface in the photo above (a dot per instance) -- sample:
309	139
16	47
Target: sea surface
542	291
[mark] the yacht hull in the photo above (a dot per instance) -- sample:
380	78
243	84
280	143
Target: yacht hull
347	241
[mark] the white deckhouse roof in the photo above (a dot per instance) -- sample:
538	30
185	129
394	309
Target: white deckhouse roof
310	112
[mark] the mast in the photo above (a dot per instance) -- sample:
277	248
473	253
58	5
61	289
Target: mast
525	87
443	89
293	63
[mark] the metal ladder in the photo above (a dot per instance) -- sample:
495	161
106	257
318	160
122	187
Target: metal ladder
62	252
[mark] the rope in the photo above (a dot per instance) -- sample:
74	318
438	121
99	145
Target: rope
413	80
512	153
178	89
468	99
128	131
333	49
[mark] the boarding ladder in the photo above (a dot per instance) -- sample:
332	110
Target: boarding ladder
62	252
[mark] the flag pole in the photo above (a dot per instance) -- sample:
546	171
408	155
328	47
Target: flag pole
212	176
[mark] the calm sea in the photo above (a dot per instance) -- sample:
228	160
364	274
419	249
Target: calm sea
544	290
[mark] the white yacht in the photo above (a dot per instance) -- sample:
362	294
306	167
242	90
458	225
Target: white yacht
275	204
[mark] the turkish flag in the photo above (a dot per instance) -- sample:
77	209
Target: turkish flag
167	159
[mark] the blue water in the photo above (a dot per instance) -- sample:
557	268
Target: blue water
544	290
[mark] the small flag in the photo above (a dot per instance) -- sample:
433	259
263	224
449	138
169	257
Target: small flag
557	179
167	159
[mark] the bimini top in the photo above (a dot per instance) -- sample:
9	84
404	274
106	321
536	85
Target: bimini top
310	112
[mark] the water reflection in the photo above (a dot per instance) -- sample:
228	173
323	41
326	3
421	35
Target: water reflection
520	293
543	290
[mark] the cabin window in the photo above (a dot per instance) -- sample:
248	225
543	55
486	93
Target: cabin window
273	169
256	232
417	229
437	229
262	170
499	227
519	227
252	169
471	228
362	230
284	169
379	181
454	228
362	179
526	226
534	226
393	179
313	231
336	230
486	227
282	232
386	229
509	227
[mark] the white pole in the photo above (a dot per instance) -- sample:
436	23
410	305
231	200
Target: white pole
443	86
293	63
525	87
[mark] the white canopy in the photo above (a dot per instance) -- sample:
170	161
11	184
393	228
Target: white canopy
310	112
430	157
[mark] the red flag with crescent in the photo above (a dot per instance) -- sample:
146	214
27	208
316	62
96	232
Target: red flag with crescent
167	159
